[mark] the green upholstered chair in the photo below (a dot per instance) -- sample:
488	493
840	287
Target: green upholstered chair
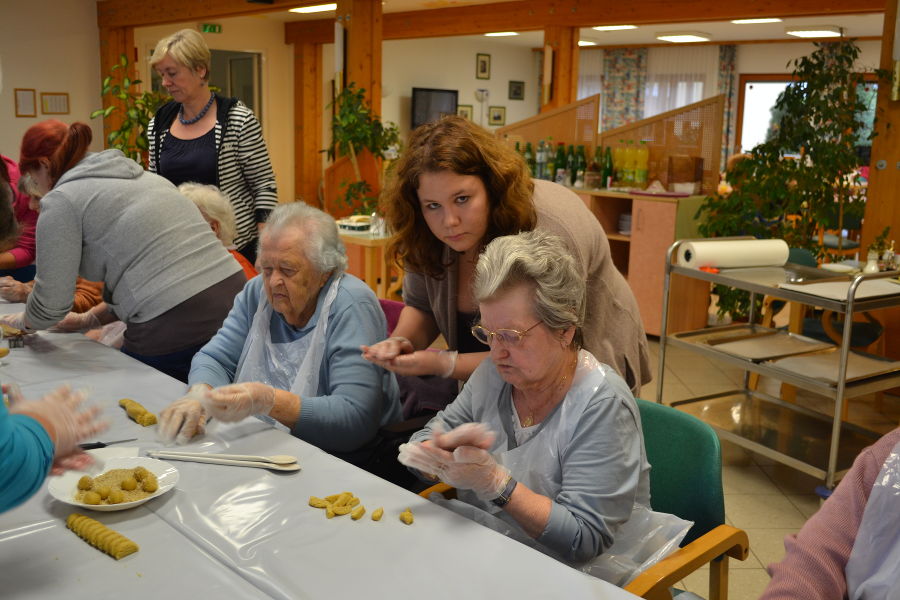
686	480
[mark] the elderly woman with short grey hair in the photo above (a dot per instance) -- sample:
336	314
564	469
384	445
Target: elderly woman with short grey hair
544	442
289	349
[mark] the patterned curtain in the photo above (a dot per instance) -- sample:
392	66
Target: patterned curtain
624	79
728	83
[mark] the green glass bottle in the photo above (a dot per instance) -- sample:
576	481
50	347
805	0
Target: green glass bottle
560	161
570	166
580	166
529	158
608	173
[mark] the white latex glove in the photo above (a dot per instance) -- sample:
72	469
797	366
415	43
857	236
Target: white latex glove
61	413
77	322
467	434
388	349
238	401
184	418
420	362
16	320
13	291
467	467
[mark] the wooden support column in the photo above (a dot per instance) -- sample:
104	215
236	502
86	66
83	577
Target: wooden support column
563	88
362	22
883	204
114	42
307	120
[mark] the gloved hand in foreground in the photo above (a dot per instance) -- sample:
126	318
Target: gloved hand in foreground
388	349
75	322
184	418
238	401
15	320
62	415
467	467
467	434
13	291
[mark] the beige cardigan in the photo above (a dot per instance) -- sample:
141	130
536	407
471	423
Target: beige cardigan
613	331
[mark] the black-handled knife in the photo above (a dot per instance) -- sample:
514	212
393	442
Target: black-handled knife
92	445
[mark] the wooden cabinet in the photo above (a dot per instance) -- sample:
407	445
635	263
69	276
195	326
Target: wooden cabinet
640	254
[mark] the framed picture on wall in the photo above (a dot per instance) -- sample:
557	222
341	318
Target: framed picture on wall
516	90
464	110
26	102
482	66
54	103
496	116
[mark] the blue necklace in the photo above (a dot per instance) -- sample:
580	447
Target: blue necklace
200	114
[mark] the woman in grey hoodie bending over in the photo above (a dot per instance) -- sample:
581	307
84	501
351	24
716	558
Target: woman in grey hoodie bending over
106	219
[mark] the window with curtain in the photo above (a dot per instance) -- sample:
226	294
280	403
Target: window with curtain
679	76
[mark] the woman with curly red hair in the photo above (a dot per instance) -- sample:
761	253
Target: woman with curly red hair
456	188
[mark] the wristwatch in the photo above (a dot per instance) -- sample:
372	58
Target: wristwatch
503	499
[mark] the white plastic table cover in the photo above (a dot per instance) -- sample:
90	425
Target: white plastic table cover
235	532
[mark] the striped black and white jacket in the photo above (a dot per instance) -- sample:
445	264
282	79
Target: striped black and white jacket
244	171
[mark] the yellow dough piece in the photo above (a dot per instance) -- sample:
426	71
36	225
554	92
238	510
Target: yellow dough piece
376	515
129	484
358	512
140	473
137	413
92	498
100	536
329	511
343	499
318	502
407	517
85	483
115	497
150	483
342	510
104	492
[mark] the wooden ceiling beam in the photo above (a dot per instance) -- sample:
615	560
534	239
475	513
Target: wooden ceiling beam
131	13
533	15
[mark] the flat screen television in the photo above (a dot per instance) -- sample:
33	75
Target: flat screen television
431	104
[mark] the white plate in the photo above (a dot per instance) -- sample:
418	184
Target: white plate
64	487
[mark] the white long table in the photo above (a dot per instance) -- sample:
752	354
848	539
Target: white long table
236	532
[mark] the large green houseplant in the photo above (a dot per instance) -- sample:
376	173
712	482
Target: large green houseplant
355	128
133	115
805	174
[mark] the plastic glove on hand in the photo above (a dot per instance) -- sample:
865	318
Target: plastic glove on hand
387	350
185	418
12	290
422	362
15	320
238	401
470	468
63	416
415	455
467	434
77	322
79	461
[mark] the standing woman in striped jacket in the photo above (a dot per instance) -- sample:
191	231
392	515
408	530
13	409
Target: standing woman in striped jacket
205	138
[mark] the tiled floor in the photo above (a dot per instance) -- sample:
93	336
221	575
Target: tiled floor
767	499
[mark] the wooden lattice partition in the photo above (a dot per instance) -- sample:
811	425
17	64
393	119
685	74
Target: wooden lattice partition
574	123
693	130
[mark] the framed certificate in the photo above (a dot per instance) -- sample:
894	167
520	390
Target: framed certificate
54	103
26	105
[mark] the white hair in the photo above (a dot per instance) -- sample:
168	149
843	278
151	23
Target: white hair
323	246
541	261
215	206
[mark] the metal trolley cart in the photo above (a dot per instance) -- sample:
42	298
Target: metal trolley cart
815	443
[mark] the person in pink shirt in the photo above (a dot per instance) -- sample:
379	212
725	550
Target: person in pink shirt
18	260
850	547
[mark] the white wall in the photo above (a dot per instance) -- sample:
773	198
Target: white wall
48	46
774	58
251	34
449	63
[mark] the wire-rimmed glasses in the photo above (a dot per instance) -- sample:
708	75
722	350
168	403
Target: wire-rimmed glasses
509	337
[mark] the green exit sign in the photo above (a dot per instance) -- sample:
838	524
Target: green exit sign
210	28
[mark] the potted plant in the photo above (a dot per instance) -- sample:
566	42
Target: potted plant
133	113
359	134
806	173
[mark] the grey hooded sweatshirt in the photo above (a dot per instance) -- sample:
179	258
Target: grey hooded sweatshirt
108	220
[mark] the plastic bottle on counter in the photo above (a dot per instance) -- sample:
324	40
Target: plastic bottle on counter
642	165
580	166
608	172
629	163
570	166
541	161
550	167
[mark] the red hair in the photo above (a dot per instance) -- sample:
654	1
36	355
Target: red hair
62	145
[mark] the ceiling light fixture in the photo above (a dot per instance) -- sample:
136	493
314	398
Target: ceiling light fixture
818	31
586	43
683	37
314	9
500	34
754	21
614	27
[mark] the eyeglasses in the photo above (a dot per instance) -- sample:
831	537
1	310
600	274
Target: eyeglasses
509	337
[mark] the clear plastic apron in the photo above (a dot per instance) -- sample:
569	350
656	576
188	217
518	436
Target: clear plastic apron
292	366
873	569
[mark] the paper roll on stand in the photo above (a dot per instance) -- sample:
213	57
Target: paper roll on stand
729	254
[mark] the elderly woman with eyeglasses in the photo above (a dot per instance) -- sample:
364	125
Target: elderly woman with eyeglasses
544	441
